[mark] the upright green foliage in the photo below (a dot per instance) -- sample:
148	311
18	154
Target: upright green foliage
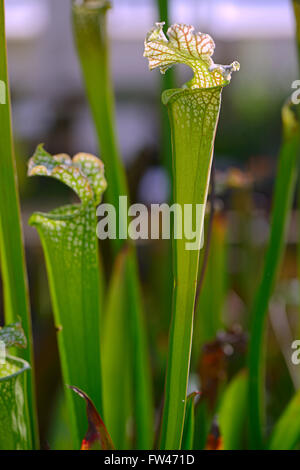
283	197
208	315
189	423
286	433
90	33
68	235
193	113
168	82
233	412
11	241
115	356
282	202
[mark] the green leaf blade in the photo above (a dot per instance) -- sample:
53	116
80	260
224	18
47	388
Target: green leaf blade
233	412
286	433
92	44
282	203
117	380
189	423
16	298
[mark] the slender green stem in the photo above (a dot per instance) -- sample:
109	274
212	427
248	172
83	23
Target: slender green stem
90	32
282	202
167	82
11	240
209	236
163	8
91	38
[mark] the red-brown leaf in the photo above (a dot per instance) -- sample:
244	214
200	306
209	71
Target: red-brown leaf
97	436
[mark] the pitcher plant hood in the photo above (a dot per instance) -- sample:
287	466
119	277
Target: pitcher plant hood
183	46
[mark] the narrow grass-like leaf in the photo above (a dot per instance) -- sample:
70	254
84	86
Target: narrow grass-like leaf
68	236
97	437
14	274
232	413
194	113
59	432
90	33
141	383
282	202
189	423
203	420
168	82
208	315
15	429
116	357
286	433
